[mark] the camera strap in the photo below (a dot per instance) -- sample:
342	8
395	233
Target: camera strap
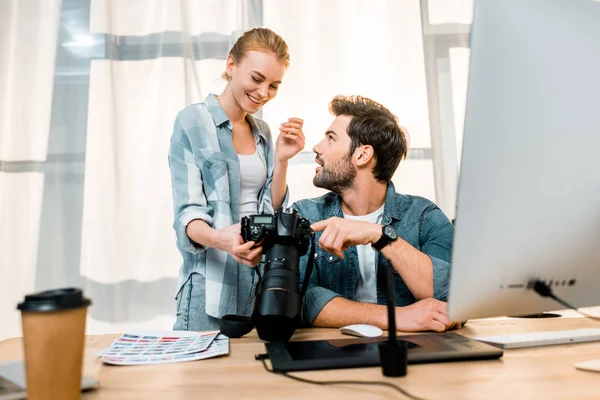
309	266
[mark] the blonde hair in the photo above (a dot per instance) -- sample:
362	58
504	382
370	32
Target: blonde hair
261	39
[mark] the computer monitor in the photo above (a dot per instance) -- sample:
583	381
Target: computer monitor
528	203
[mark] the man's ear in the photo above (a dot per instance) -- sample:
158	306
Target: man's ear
364	154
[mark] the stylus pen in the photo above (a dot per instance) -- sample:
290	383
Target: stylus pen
391	304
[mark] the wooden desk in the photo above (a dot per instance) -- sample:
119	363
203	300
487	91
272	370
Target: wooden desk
534	373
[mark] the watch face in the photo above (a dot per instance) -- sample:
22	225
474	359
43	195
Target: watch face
390	232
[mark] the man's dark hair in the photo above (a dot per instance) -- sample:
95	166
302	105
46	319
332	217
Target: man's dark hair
373	124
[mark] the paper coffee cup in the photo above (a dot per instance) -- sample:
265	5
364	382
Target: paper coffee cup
53	339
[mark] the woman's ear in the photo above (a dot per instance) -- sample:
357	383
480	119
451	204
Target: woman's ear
229	65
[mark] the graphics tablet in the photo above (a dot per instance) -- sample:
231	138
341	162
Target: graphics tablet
364	352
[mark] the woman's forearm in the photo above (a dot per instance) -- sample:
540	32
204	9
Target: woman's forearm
278	184
203	234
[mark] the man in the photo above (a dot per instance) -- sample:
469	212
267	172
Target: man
363	226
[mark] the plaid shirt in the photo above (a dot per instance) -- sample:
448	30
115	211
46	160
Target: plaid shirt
205	177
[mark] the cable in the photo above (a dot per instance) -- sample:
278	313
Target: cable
545	290
263	357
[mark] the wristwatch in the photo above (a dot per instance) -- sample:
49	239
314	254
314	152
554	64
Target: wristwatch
388	235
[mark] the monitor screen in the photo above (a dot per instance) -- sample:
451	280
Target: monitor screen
529	191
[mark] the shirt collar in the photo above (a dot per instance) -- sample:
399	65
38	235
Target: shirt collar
392	203
215	109
391	209
219	117
255	128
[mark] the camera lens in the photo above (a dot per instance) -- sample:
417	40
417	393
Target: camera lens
284	239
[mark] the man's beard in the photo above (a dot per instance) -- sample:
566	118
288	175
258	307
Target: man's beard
337	177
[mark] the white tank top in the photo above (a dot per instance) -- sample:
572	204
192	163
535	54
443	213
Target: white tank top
254	176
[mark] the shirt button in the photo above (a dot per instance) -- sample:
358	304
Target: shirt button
330	258
316	255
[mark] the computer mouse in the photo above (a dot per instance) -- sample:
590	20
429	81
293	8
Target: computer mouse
361	330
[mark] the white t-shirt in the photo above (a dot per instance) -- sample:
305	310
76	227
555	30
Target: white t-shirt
254	176
366	285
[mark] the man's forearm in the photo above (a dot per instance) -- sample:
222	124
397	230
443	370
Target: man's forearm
341	312
415	267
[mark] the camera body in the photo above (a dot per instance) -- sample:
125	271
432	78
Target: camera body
285	228
284	238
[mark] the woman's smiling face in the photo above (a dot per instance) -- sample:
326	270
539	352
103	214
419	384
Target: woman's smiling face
255	79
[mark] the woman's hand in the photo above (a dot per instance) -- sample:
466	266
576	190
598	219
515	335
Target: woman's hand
291	139
241	252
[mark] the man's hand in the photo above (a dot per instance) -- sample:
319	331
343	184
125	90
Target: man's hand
241	252
425	315
339	233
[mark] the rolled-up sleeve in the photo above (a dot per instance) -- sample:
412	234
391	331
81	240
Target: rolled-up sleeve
316	296
441	278
189	201
436	242
315	299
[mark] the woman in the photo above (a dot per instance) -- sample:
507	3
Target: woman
223	168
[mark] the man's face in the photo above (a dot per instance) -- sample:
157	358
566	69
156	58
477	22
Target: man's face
335	171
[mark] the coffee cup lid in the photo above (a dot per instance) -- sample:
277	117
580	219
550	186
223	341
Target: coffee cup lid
54	300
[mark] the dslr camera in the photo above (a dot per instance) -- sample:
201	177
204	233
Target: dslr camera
284	238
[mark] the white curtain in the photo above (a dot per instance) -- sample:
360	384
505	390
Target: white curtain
371	48
128	255
28	35
90	89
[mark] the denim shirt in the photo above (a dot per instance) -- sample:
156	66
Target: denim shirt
205	177
417	220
